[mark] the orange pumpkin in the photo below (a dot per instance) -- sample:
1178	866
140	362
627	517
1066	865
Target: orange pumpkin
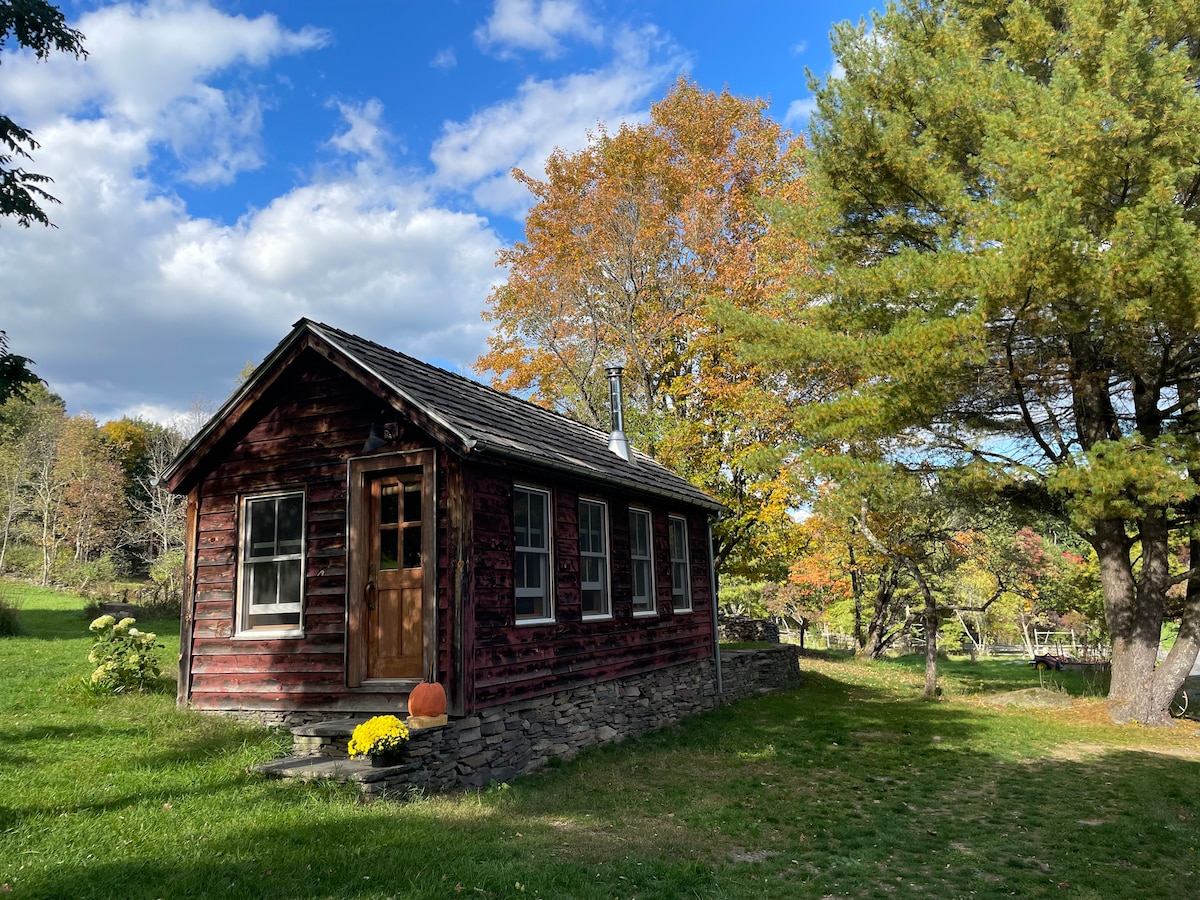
427	699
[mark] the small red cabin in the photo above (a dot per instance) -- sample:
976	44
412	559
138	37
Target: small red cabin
358	519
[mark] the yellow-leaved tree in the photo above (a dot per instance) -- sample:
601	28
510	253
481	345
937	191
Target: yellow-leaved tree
626	246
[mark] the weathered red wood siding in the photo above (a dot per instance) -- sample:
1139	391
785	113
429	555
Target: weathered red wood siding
307	430
511	661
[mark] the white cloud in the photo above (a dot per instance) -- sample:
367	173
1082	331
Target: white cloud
799	112
536	25
130	284
364	135
477	155
799	48
444	59
146	72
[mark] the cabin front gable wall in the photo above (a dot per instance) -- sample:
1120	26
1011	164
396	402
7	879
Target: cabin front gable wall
299	437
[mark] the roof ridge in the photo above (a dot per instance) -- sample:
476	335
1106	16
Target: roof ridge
505	395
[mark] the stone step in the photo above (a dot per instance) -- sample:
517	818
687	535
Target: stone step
317	768
325	740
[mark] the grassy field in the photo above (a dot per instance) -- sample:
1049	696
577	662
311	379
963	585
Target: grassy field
846	787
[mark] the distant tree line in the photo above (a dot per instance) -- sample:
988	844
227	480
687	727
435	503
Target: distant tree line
80	502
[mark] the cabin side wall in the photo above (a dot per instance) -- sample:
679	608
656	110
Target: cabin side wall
513	661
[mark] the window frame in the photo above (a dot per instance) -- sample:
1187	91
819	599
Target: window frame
247	563
683	590
604	555
546	594
645	562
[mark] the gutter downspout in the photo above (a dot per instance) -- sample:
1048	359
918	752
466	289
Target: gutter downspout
712	580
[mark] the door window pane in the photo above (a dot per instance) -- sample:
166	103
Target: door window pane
389	504
412	546
389	549
412	502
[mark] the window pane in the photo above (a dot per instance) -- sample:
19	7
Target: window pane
291	524
593	601
641	579
289	581
529	519
639	532
389	504
678	538
529	571
591	527
679	577
262	527
537	521
263	587
412	547
389	549
590	569
412	503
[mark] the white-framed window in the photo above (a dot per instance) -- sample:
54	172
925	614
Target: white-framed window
641	554
593	559
271	565
681	588
531	528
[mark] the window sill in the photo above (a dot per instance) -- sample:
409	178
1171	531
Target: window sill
597	617
521	622
267	635
645	613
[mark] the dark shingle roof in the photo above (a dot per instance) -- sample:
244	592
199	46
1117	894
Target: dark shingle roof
488	421
476	417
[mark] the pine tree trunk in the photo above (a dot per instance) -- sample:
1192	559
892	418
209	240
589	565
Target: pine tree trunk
1134	616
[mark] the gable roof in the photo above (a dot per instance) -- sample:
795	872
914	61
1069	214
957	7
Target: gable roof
467	415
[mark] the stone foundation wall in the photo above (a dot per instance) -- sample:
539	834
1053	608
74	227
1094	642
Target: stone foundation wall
745	673
501	743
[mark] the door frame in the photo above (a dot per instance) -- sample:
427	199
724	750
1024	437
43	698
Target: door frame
358	555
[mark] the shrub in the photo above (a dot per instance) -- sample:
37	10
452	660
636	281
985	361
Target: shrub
126	659
167	574
24	560
93	577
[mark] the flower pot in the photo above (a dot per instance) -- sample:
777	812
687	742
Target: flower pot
383	760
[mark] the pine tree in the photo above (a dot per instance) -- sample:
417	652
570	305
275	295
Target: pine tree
1006	219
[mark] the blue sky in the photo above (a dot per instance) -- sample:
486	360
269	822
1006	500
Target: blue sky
225	168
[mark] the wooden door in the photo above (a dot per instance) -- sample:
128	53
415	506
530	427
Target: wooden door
394	590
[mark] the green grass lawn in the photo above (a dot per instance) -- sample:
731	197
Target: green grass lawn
849	786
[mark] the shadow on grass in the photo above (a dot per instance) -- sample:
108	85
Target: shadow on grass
52	624
1117	825
964	677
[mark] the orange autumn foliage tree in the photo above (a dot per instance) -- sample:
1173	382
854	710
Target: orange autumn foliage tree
627	244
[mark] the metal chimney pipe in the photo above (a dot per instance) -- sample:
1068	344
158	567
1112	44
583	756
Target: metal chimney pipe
617	442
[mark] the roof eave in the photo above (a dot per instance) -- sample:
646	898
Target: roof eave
703	502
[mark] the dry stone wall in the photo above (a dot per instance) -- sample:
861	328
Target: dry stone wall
501	743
